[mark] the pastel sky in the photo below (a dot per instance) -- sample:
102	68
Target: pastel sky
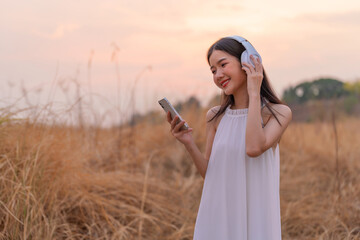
48	47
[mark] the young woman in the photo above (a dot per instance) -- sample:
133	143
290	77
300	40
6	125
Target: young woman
240	197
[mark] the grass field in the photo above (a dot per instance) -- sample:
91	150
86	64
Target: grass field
60	182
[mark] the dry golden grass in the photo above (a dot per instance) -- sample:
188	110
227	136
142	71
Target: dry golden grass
59	182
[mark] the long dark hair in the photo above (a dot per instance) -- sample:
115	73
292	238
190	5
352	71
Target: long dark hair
267	94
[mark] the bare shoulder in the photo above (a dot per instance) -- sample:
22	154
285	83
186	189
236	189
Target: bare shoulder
282	112
211	113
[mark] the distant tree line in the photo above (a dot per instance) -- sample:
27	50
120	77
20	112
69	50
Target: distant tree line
322	89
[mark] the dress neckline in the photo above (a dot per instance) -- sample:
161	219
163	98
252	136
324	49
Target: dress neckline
240	111
236	112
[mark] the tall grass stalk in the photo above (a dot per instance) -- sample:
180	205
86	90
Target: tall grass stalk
336	145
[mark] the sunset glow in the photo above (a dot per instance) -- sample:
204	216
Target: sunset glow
43	42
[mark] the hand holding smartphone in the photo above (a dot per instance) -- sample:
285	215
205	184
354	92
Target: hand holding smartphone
166	105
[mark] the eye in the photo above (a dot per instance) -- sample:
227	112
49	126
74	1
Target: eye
223	64
213	71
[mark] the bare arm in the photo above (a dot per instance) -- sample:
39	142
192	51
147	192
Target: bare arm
185	137
197	157
259	139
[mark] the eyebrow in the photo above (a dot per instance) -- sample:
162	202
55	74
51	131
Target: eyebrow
221	59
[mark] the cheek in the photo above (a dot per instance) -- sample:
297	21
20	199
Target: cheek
216	83
242	74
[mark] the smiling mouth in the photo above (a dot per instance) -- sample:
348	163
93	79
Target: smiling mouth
224	83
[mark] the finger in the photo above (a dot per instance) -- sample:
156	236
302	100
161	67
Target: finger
260	64
183	131
256	63
246	69
258	60
173	122
250	67
168	116
178	126
189	130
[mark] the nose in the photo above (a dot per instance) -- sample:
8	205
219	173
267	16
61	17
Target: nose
219	74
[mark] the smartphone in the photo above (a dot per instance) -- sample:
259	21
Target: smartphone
166	105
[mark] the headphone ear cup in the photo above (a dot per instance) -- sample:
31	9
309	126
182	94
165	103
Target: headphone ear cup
245	58
249	50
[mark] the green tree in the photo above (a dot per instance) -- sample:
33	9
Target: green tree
323	88
353	87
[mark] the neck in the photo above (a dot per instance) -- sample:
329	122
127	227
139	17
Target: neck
241	98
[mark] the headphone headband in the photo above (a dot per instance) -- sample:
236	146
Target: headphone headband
249	50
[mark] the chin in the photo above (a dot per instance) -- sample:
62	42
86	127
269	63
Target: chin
228	92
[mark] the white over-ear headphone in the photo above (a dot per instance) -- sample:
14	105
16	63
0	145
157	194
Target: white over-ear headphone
249	50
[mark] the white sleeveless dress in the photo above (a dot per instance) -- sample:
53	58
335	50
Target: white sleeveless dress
240	198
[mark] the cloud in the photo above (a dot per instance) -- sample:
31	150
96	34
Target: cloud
60	31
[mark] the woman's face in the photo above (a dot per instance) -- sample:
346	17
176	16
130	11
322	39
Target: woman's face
227	72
